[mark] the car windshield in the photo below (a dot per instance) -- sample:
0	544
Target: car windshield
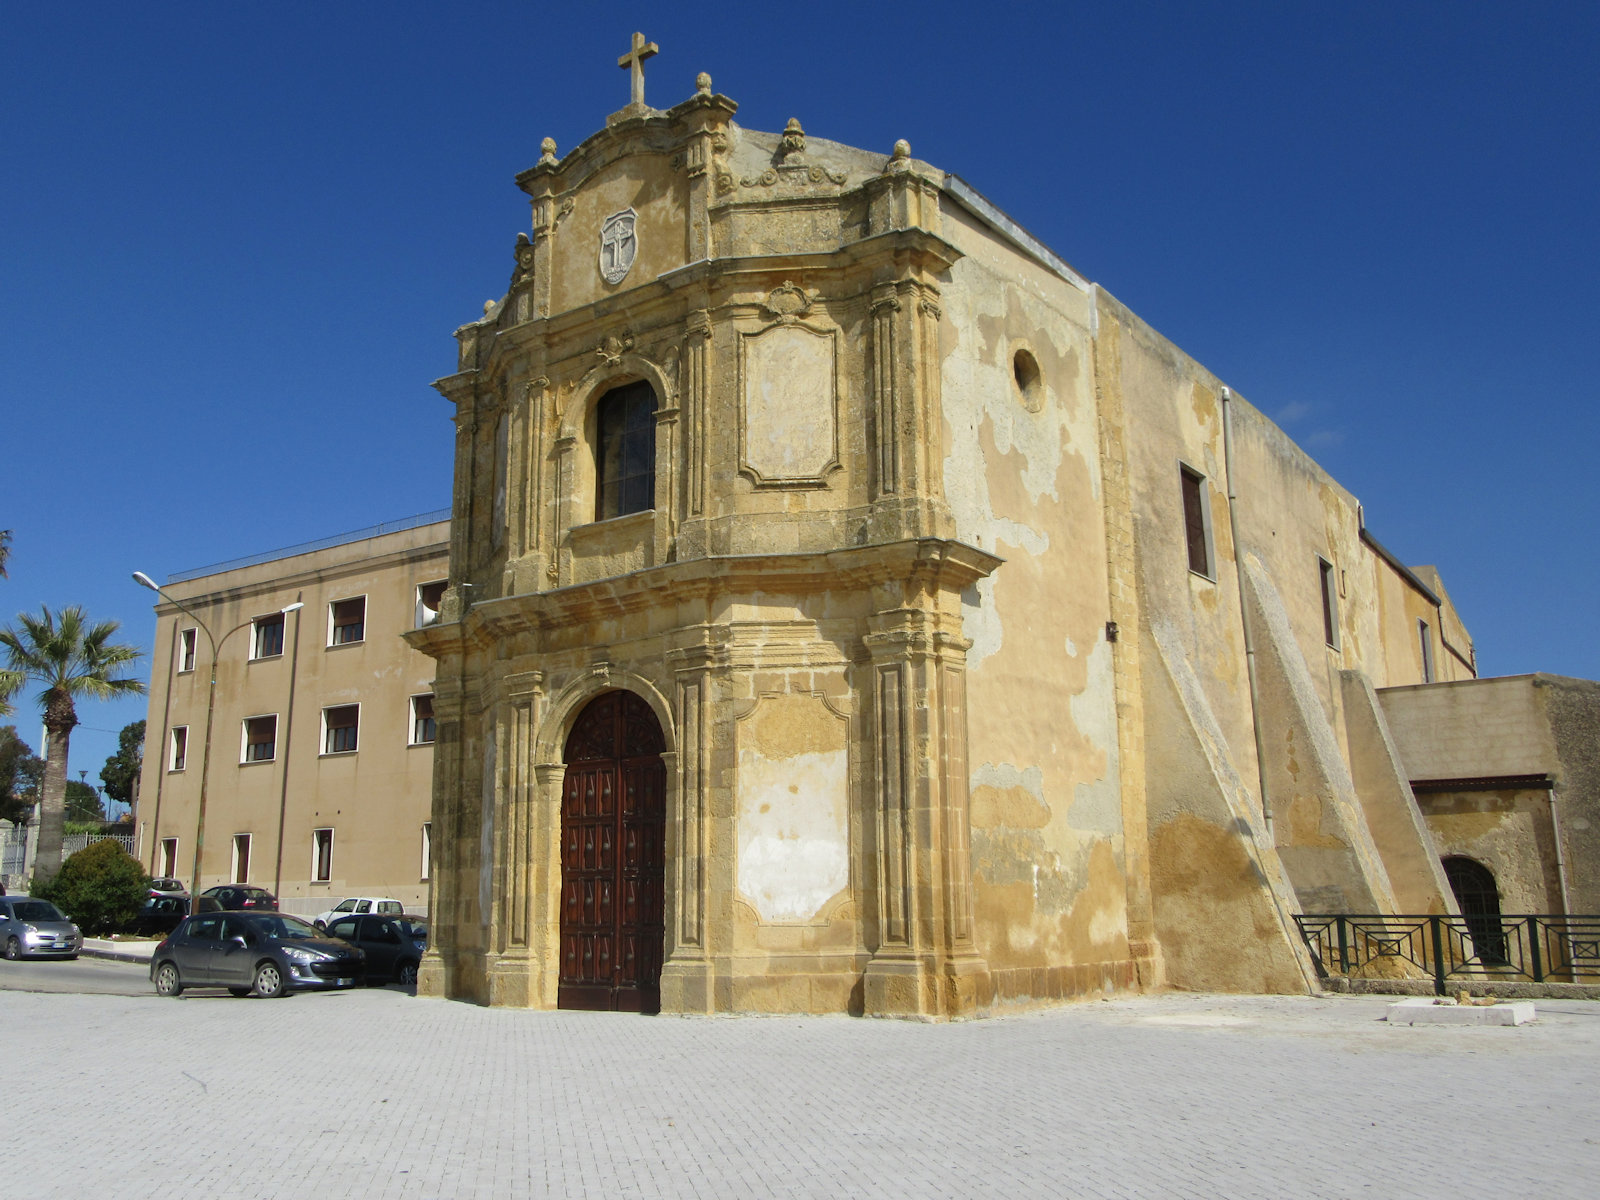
280	927
36	910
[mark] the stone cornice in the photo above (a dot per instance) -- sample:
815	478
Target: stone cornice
931	564
660	300
651	132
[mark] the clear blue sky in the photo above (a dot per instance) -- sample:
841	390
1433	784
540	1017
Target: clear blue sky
235	239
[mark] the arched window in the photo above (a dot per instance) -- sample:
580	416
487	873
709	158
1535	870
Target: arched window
1479	901
625	451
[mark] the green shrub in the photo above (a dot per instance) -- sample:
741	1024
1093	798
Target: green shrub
100	887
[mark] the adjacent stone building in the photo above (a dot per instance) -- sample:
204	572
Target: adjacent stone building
323	729
855	609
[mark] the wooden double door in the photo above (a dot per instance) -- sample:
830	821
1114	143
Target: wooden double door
613	871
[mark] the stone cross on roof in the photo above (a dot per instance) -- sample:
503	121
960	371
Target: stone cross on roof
634	61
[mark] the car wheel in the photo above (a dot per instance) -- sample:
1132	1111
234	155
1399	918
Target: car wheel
269	981
236	991
13	949
167	981
322	925
407	974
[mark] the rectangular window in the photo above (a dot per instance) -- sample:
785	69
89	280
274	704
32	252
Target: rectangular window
321	855
241	858
340	727
1196	520
427	851
423	729
1425	639
429	597
180	748
169	857
1330	603
266	636
347	621
186	649
260	739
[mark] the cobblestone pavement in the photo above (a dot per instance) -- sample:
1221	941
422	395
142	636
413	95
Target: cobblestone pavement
377	1094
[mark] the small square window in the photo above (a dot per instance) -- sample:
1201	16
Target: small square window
347	621
180	748
1196	521
321	855
340	727
423	729
266	636
186	644
260	739
429	597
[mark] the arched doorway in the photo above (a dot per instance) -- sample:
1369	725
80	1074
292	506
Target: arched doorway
613	826
1479	901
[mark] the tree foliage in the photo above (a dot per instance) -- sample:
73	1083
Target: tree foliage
83	804
121	771
101	887
20	774
71	658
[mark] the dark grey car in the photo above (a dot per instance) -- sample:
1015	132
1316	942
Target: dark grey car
32	928
268	953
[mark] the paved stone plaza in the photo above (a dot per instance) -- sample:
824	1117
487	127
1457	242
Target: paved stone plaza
377	1094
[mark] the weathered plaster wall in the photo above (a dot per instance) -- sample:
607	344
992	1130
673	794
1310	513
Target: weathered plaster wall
1021	476
1511	726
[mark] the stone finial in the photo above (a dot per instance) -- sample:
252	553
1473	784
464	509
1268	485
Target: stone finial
702	83
901	159
794	138
488	307
547	152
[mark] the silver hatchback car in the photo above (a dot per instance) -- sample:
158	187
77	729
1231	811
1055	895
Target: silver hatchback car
32	928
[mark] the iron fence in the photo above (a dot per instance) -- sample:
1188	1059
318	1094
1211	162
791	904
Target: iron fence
1532	947
71	843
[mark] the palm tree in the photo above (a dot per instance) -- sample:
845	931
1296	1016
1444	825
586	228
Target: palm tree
70	659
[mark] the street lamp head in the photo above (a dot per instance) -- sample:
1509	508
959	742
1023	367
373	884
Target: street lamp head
144	580
289	608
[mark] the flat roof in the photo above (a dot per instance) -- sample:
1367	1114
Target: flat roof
327	543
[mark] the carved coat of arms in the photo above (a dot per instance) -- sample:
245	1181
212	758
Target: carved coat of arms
619	244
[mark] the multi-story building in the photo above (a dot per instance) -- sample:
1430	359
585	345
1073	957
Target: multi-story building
321	743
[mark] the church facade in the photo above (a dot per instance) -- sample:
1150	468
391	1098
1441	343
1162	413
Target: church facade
854	609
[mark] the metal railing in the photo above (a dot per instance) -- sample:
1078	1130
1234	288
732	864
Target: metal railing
1525	948
71	843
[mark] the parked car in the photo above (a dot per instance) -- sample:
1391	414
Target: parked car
161	914
268	953
242	896
32	928
393	945
168	887
359	904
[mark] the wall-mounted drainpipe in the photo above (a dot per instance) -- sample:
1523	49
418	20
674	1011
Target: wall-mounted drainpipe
1244	604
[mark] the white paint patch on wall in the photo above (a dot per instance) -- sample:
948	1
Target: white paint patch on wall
794	832
1097	803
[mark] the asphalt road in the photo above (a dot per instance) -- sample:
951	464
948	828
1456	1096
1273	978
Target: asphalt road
85	976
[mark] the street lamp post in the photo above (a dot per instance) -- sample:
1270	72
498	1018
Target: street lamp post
144	580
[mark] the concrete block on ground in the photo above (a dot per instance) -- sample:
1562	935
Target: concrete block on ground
1421	1010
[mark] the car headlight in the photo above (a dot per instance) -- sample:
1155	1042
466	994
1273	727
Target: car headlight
299	955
